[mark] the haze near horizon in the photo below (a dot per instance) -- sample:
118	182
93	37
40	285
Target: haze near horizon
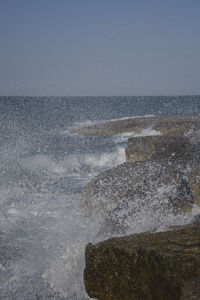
99	48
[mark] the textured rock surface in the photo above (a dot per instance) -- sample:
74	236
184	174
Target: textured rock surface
171	124
162	176
144	187
158	147
194	182
161	266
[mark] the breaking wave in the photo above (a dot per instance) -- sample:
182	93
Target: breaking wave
44	168
123	137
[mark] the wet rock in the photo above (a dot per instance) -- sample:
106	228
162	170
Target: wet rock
191	290
162	175
196	219
178	125
194	182
144	187
160	266
158	147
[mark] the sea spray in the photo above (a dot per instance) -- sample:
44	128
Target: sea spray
44	167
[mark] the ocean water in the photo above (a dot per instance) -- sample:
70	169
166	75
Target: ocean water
43	169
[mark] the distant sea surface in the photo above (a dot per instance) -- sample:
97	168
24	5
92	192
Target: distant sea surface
43	169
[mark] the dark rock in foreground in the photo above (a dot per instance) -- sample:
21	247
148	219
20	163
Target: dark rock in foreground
160	266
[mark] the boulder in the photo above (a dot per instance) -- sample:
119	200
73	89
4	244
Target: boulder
131	189
147	266
162	175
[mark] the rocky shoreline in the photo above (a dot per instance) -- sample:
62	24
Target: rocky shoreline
161	177
165	124
160	266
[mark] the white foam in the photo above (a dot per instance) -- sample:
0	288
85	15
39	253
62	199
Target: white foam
66	271
48	226
123	137
74	165
106	160
132	117
87	123
195	210
72	129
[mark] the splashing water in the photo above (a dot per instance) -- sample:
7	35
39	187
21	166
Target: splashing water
43	169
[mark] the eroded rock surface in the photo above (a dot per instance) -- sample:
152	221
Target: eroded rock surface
178	125
160	266
122	193
161	177
161	146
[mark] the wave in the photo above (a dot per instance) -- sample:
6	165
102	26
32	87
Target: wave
123	137
74	165
106	160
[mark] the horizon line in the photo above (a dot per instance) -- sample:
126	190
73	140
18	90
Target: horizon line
97	96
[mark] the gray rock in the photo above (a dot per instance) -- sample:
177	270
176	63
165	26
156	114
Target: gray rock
161	146
121	193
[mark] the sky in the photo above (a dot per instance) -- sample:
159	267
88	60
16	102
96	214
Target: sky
99	47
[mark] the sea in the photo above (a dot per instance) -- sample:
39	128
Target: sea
44	166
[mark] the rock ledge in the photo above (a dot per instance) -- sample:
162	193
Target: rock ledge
160	266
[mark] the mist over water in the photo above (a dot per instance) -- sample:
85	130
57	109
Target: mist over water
43	169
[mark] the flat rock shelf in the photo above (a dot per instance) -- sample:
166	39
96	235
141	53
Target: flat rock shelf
160	266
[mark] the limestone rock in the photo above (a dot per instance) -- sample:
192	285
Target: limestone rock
123	192
178	125
160	266
154	147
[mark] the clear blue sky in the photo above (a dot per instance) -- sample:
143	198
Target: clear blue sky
99	47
